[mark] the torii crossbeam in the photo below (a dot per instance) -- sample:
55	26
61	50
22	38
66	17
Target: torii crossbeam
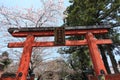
31	33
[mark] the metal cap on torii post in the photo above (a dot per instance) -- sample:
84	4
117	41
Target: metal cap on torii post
60	33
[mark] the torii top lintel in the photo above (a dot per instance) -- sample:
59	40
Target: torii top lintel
49	31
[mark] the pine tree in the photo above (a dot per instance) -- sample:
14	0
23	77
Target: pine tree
91	12
5	59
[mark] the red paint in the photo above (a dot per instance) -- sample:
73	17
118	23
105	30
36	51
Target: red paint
50	44
95	54
112	77
107	77
103	41
30	43
51	33
67	43
26	56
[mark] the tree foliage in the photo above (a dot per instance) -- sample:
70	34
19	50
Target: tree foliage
32	17
90	12
5	60
48	15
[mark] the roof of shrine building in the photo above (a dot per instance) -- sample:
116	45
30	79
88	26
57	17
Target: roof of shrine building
30	29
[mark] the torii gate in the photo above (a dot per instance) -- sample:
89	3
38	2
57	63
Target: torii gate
60	33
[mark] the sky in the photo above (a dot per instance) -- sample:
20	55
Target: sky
25	3
28	4
22	4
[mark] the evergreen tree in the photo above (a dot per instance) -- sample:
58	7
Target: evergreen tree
5	59
91	12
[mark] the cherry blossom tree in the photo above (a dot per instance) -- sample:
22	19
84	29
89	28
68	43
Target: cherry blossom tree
50	13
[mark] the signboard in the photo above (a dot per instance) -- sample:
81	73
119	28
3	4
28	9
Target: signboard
59	33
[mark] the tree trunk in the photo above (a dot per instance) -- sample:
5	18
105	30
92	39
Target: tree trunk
105	61
112	58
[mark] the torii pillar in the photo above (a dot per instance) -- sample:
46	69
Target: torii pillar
29	43
95	54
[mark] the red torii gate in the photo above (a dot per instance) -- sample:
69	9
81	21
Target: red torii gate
29	43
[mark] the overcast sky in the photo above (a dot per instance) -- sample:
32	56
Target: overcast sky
25	3
20	4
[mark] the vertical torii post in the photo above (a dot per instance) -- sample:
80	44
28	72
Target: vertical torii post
31	33
25	59
95	54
